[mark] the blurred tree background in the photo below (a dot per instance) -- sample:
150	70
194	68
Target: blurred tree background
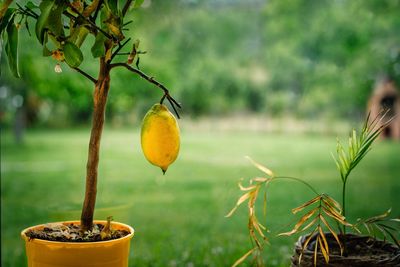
297	58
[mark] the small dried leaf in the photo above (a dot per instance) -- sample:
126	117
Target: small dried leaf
305	244
315	251
330	201
334	211
242	199
260	179
310	224
259	227
339	218
243	188
333	233
302	220
379	217
308	203
239	261
261	167
323	250
324	245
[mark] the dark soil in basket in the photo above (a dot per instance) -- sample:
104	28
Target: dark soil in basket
360	251
72	233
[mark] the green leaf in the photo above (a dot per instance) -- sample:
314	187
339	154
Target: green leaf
1	52
46	51
83	33
3	25
248	253
138	3
113	6
6	19
31	5
12	48
54	22
98	49
45	8
72	54
49	19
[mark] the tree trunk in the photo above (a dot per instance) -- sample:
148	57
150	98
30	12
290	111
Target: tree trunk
99	101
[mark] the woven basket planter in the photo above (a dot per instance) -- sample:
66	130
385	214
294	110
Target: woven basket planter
361	251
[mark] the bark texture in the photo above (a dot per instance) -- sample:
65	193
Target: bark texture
99	102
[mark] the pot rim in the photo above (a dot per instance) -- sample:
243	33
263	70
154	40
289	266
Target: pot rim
42	241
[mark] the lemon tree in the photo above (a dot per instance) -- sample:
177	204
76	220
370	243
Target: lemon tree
61	28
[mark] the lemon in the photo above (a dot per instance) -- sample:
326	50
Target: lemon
160	138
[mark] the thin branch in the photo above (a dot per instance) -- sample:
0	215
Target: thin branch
31	11
166	95
86	75
126	7
141	74
119	49
169	98
27	11
127	23
89	21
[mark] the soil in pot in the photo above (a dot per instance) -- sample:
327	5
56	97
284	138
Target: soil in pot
361	251
69	232
77	251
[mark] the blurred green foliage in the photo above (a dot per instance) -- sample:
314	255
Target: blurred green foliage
219	57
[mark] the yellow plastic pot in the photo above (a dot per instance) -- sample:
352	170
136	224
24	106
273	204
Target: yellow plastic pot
112	253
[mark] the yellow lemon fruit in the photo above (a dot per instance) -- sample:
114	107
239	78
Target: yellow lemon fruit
160	138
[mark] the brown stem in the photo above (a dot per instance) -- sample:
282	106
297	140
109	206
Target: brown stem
99	100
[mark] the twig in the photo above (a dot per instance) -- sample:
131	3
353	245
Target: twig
86	75
119	49
27	11
169	98
127	23
166	95
89	21
126	7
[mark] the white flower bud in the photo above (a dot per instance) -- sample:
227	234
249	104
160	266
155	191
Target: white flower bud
57	68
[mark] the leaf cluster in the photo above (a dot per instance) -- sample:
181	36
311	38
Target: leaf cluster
359	145
62	27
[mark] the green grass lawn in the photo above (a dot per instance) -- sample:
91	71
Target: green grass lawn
179	218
